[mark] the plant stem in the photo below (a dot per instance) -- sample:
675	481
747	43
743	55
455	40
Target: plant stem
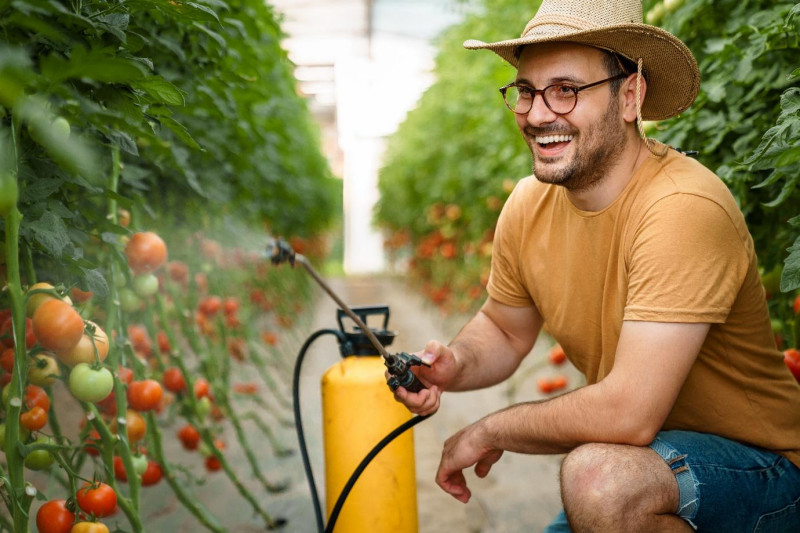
188	500
21	501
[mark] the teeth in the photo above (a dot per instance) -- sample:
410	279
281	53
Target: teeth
553	139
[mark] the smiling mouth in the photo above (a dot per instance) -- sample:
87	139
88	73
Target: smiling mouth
549	141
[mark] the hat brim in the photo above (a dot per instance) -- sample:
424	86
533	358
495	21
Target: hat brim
673	79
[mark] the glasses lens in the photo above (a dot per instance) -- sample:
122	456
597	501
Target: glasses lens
516	101
560	98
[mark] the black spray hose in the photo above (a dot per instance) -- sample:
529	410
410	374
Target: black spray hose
304	450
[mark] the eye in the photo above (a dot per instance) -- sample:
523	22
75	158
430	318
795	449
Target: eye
525	91
561	91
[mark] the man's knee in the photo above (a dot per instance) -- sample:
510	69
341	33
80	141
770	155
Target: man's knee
591	475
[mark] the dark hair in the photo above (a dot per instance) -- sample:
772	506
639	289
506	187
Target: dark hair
617	64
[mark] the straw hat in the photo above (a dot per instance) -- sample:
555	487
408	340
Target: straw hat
673	78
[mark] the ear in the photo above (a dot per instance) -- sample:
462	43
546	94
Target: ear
628	96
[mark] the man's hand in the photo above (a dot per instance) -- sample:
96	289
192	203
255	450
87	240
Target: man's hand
443	368
466	448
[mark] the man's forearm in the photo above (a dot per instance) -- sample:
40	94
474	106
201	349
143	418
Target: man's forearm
484	354
558	425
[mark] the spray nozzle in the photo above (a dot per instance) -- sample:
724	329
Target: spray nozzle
399	366
279	251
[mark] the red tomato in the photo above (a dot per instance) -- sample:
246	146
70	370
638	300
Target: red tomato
119	469
230	305
144	395
36	396
201	388
33	419
792	359
173	380
152	475
212	463
54	517
189	437
545	387
140	339
210	305
796	305
7	360
125	374
92	443
7	333
559	382
557	355
178	272
163	342
57	326
146	252
248	387
80	296
97	499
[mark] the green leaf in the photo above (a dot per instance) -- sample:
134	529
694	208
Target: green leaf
788	157
181	131
790	279
96	64
193	11
95	282
51	233
160	90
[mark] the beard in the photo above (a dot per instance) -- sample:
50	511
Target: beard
604	141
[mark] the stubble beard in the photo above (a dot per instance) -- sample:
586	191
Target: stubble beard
590	163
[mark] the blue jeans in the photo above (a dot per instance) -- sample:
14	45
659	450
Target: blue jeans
725	486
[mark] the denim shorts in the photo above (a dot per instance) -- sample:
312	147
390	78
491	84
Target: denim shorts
726	486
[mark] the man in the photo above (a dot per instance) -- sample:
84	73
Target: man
641	265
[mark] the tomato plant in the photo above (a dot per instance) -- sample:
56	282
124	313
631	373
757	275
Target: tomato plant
54	517
90	384
97	499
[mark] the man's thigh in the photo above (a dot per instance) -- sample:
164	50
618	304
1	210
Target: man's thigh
729	487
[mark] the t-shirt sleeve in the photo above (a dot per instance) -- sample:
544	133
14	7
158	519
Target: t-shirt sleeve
686	263
505	279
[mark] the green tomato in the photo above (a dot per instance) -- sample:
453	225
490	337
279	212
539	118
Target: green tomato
203	406
89	384
139	464
40	459
43	370
61	128
129	301
145	285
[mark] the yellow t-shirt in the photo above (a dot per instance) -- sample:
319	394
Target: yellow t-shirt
673	247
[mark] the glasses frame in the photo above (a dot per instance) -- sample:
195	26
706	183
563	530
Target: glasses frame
534	91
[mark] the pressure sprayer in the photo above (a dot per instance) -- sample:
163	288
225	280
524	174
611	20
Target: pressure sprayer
357	411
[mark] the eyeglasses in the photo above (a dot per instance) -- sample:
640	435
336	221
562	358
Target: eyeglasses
560	98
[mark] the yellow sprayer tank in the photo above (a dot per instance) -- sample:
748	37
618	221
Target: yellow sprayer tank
358	410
